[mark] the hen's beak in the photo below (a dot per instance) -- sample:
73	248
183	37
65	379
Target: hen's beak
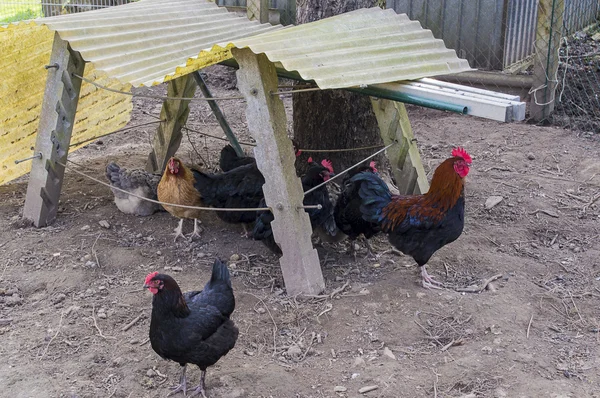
146	286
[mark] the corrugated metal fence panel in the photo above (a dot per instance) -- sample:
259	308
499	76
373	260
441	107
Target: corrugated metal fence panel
474	28
580	14
520	30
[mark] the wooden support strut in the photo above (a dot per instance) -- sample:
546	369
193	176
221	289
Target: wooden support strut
405	160
54	133
174	113
218	114
547	43
275	159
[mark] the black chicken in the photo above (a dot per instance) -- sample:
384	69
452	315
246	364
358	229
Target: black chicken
237	188
193	327
230	160
347	214
320	219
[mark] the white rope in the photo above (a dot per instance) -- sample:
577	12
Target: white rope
349	168
158	202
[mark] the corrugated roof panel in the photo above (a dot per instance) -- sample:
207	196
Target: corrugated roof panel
366	46
147	42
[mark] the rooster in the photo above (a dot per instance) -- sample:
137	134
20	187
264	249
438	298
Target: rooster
177	186
347	214
194	327
138	182
237	188
419	225
320	219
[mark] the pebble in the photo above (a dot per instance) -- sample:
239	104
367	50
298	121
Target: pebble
367	389
85	227
234	257
339	389
492	201
90	264
420	294
104	224
261	310
388	353
354	375
358	361
530	156
150	373
158	253
294	351
176	269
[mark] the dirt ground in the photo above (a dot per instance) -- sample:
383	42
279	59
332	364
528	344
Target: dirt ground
70	292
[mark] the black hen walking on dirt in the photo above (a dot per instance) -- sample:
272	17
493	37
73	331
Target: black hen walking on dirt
192	327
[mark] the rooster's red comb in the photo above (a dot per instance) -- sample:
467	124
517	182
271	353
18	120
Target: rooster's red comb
327	164
150	277
461	153
372	166
310	160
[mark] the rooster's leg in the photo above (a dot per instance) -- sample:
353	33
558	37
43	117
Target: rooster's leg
197	230
370	253
182	384
428	281
178	230
201	389
247	234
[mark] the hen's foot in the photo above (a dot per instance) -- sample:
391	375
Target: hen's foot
428	281
197	230
182	386
201	389
177	230
370	254
246	234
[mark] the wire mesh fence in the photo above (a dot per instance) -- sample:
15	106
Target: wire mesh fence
17	10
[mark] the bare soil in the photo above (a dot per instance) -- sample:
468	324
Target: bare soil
68	291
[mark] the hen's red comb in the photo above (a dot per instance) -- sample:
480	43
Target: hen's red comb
150	277
310	160
327	164
461	153
372	166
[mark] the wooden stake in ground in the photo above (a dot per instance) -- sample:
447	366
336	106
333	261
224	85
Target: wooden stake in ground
275	158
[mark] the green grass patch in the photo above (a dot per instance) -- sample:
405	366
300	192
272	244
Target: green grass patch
18	10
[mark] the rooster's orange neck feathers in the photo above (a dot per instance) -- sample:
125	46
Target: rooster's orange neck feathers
446	185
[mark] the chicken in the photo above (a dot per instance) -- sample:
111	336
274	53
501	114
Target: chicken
419	225
238	188
138	182
194	327
229	159
321	219
177	186
347	213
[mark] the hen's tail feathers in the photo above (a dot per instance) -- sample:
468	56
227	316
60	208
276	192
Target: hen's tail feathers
228	155
262	229
218	291
220	272
113	174
374	194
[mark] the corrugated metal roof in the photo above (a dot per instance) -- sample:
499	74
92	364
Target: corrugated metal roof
148	42
366	46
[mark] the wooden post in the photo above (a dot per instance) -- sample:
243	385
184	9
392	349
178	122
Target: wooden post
174	113
405	160
547	42
258	10
218	114
274	155
54	133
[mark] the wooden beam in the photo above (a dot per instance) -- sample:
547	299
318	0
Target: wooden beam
258	10
547	43
404	158
218	114
54	133
174	113
275	158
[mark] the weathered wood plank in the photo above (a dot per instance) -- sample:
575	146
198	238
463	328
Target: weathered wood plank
275	159
405	159
258	10
174	113
59	106
214	106
547	42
